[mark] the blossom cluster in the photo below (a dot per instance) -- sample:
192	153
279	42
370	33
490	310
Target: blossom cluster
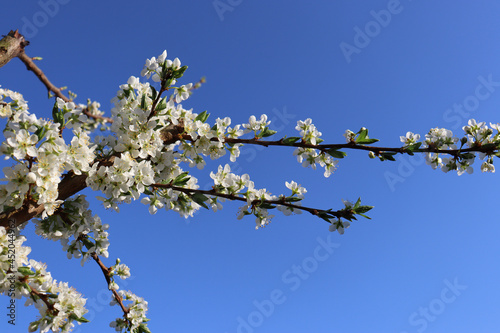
58	304
80	232
477	135
136	313
257	200
41	153
309	157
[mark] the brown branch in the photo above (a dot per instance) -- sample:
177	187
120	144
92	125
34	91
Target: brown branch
314	211
30	65
69	185
105	270
90	115
488	149
11	46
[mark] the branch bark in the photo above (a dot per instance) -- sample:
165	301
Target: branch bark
11	46
69	185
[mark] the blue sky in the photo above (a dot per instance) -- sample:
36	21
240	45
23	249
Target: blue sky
428	259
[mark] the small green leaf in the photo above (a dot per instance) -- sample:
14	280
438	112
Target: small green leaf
200	199
28	288
336	153
40	132
292	199
414	146
143	102
162	105
367	141
181	179
57	115
202	116
366	217
387	156
88	244
266	132
154	93
291	140
362	209
180	72
144	329
79	319
25	271
325	216
362	134
266	205
356	205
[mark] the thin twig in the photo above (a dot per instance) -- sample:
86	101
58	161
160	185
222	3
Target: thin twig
31	66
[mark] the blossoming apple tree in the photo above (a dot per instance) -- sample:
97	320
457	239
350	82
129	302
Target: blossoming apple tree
150	143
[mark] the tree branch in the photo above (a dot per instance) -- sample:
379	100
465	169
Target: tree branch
314	211
69	185
105	270
11	46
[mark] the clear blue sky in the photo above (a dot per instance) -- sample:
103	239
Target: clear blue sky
428	259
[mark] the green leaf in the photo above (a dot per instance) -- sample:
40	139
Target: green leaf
180	72
291	140
266	132
40	132
200	199
388	156
362	134
79	319
143	102
181	179
154	93
127	92
266	205
367	141
414	146
325	216
467	155
88	244
292	199
162	105
366	217
356	205
25	271
27	286
202	116
362	209
336	153
57	115
144	329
